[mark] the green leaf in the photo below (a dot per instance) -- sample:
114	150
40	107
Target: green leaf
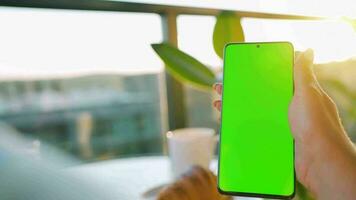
184	67
302	193
227	29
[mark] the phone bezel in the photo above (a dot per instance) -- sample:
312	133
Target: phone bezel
246	194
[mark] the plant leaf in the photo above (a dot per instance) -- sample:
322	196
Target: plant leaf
227	29
302	193
184	67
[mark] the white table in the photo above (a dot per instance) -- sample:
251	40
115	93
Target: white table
131	176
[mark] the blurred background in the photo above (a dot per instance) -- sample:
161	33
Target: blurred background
83	77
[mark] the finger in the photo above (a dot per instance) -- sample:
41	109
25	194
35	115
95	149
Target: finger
303	73
217	104
218	88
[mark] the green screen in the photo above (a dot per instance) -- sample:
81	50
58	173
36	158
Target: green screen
256	145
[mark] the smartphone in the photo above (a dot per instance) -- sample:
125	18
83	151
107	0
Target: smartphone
256	156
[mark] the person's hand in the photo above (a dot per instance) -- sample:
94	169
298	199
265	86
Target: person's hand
325	158
197	183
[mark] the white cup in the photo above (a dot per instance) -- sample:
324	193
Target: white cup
190	146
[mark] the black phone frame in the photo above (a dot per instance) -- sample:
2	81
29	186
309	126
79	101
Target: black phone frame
247	194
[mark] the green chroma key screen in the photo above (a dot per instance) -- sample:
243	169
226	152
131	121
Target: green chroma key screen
256	145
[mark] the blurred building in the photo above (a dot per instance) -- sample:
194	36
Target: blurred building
93	116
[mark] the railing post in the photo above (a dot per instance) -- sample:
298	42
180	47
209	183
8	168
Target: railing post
175	90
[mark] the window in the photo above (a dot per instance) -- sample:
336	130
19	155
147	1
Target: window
195	37
331	40
87	82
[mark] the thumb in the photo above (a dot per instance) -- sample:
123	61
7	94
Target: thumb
303	72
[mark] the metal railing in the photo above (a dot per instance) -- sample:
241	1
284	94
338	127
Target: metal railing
168	13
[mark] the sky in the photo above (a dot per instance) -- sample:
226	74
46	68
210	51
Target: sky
44	42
